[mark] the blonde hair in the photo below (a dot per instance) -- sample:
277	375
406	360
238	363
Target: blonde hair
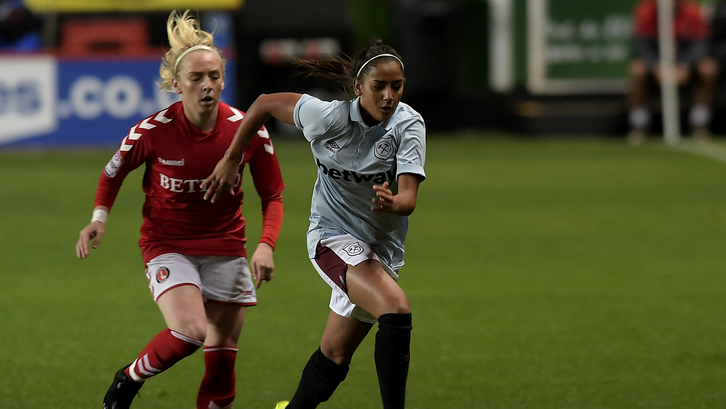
184	33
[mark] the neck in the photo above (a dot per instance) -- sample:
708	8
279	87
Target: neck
204	121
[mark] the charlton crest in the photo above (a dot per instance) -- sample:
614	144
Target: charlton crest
162	274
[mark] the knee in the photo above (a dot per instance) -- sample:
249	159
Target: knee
194	329
398	305
707	70
338	354
638	70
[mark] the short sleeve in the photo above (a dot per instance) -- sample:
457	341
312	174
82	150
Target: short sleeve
411	155
313	116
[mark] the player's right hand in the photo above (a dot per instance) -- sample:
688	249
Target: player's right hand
221	181
94	231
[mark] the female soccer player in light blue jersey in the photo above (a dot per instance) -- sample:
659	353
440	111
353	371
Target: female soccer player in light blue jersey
370	155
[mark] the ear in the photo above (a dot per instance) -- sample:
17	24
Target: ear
222	84
175	86
357	87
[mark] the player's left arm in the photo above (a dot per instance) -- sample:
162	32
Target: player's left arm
402	203
267	177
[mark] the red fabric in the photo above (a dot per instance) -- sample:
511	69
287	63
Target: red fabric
218	384
688	22
178	157
162	352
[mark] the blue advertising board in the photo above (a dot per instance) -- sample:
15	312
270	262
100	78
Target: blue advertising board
51	103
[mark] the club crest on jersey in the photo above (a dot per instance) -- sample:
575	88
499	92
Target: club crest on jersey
162	274
353	249
332	146
114	165
383	149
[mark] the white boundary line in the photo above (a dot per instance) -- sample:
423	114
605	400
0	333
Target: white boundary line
711	151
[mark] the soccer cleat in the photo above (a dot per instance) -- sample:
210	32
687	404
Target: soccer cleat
282	404
122	391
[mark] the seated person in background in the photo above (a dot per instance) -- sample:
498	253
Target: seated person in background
693	65
19	28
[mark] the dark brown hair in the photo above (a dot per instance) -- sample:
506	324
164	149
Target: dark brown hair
342	70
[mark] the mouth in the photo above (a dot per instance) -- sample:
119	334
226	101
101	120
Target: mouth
207	100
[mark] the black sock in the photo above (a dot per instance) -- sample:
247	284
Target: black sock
320	378
392	353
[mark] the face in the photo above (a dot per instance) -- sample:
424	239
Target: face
200	81
380	91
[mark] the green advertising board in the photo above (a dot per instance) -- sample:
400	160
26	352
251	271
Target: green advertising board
576	46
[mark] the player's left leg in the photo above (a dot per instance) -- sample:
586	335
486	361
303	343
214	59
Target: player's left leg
372	288
228	289
224	324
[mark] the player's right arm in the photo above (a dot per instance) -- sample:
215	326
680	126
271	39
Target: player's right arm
280	106
131	154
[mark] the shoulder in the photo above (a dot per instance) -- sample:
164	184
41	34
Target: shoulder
152	127
646	9
406	117
692	10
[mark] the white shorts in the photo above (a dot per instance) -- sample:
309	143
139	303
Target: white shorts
220	278
332	258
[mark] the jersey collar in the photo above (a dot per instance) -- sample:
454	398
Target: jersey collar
356	116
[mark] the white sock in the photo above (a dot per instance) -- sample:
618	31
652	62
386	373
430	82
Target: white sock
700	116
639	117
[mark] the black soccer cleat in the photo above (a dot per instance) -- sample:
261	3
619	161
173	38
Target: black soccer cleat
122	391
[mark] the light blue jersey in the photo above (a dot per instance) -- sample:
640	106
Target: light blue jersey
351	158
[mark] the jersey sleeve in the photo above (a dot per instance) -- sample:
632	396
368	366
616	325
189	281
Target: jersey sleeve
411	155
131	154
266	175
314	117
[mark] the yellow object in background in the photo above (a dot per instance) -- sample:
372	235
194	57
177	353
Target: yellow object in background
80	6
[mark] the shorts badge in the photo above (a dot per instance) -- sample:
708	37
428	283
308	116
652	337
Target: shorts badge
162	274
354	249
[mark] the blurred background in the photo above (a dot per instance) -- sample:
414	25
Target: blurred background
78	73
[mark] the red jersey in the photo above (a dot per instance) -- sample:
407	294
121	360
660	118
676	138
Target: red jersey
178	157
688	21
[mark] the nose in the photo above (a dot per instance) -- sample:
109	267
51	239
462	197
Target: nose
207	83
388	94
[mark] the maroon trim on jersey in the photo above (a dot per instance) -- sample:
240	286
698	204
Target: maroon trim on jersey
333	266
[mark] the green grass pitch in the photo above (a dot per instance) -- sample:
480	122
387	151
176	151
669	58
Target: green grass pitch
542	273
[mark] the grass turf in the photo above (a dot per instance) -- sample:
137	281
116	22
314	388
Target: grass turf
542	273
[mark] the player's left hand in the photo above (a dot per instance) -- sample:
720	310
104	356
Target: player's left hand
262	264
383	200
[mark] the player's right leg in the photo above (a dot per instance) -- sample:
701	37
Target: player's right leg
173	280
328	366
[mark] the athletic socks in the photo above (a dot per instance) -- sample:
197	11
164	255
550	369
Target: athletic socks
392	353
165	349
639	117
320	377
218	385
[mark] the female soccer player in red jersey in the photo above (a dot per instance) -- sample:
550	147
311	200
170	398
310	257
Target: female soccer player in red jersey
194	250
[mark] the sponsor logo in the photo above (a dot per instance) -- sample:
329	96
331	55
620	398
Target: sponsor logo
383	149
170	162
114	165
332	146
186	185
354	249
353	176
162	274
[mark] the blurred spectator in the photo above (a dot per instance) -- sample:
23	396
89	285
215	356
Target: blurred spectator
694	66
19	28
718	35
